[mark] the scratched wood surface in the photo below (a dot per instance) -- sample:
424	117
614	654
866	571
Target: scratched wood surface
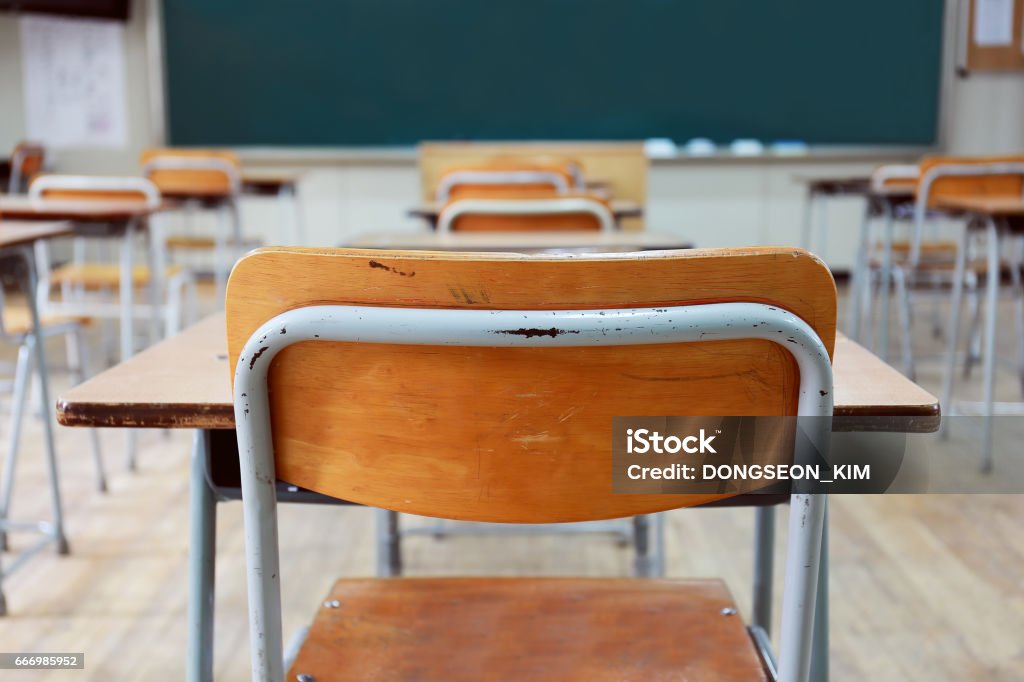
519	241
542	629
184	382
508	434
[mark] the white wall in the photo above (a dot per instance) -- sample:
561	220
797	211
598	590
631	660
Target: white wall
712	202
12	115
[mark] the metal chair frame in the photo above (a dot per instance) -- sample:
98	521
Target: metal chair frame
693	323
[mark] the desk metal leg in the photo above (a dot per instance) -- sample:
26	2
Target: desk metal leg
44	403
127	322
992	297
885	286
953	330
820	653
858	285
201	564
764	552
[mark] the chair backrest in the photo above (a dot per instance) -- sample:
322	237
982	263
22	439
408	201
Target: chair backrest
622	166
209	173
26	161
948	176
957	176
504	181
95	188
895	177
497	433
560	213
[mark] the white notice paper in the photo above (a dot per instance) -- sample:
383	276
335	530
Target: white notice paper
73	76
993	22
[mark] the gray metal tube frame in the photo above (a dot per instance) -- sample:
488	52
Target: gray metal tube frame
489	328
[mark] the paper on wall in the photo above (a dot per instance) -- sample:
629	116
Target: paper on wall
993	22
74	83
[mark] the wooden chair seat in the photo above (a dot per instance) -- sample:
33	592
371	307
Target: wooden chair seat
17	320
104	276
528	629
198	243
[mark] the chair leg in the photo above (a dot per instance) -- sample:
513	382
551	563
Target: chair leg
642	546
899	276
389	544
1018	294
973	351
173	311
78	362
21	376
991	313
764	553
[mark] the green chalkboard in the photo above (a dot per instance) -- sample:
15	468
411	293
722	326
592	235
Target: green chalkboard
394	72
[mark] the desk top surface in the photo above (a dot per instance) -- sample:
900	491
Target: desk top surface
994	206
25	208
184	382
20	232
520	241
620	208
859	185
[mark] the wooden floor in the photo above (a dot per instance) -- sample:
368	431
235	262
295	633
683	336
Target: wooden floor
924	587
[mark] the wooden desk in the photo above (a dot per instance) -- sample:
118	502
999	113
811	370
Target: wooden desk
269	183
15	233
23	208
524	242
16	241
620	209
101	219
184	382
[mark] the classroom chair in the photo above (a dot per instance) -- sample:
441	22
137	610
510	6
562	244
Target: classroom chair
202	179
26	162
559	213
927	262
390	392
16	330
87	287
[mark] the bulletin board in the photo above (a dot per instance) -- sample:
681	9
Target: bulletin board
991	35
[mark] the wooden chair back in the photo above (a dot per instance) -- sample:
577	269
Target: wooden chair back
989	184
504	180
623	165
553	213
508	434
26	162
95	188
213	173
